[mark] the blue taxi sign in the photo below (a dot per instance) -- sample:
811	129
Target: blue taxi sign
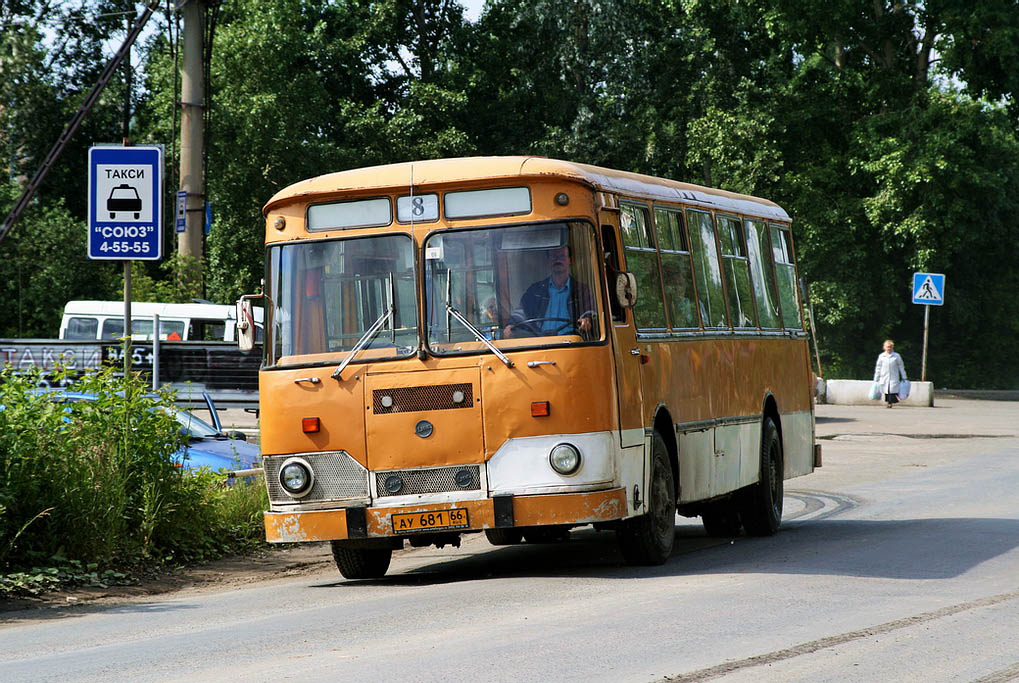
125	197
929	289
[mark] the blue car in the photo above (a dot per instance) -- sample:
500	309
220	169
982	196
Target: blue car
208	445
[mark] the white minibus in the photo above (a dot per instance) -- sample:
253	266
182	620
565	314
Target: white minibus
104	321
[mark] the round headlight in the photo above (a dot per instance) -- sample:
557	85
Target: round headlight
564	458
296	477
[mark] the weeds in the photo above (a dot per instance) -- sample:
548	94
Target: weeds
97	481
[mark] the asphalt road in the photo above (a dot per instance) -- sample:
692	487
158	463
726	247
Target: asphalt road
897	560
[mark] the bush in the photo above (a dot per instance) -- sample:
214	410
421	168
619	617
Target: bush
97	482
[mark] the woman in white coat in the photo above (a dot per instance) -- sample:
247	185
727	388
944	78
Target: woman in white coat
888	372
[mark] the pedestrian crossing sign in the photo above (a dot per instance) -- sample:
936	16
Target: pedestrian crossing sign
929	289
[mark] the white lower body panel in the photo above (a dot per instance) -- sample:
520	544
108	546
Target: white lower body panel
720	459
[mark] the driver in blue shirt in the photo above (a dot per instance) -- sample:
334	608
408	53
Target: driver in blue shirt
550	306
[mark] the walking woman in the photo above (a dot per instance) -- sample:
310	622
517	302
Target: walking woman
888	372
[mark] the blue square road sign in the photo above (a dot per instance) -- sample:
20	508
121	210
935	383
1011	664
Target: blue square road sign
929	289
125	195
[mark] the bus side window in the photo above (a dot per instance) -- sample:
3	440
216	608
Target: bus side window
707	269
608	237
737	277
761	273
674	252
642	260
82	328
785	272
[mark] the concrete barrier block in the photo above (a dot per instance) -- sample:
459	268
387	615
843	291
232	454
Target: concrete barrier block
856	392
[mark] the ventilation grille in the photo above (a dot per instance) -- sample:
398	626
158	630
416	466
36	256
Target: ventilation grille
417	399
337	477
438	480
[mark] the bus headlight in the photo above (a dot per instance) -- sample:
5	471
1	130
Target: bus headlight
296	477
564	458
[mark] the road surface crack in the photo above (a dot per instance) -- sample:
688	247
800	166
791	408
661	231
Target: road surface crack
831	641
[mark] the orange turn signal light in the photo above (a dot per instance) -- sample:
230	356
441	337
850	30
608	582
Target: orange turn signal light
540	409
310	424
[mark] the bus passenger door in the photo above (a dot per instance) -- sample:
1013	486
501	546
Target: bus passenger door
626	354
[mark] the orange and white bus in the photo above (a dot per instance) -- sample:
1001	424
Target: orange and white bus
520	346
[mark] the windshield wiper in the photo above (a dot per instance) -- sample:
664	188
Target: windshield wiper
365	339
458	316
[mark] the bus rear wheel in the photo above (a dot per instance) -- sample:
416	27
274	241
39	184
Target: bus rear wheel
361	563
762	503
648	539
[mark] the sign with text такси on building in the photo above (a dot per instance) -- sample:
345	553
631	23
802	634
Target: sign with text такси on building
929	288
125	194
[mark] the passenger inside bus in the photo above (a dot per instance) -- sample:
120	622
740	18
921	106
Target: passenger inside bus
490	317
550	306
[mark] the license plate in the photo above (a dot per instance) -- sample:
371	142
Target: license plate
425	521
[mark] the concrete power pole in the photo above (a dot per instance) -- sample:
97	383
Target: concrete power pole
192	132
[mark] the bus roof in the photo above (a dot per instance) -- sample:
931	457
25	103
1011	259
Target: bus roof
444	171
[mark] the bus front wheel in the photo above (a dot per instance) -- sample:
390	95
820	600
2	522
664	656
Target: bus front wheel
361	563
762	503
648	539
504	536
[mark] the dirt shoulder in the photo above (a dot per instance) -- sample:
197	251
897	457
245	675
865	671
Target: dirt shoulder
276	563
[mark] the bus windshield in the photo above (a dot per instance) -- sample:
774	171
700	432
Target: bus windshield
522	285
328	293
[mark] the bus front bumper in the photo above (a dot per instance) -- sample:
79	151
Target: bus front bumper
488	513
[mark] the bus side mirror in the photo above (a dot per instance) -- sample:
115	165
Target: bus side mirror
626	289
245	324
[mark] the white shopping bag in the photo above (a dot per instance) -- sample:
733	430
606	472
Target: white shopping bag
904	388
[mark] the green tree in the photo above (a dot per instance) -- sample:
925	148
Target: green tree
51	55
44	264
300	89
885	163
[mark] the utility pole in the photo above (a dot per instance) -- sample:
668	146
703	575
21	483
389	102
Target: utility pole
126	123
192	135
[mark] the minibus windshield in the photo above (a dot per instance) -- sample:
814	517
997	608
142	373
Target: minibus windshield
524	285
327	294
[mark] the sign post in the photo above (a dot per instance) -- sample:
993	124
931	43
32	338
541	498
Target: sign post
928	290
125	212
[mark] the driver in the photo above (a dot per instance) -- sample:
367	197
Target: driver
548	307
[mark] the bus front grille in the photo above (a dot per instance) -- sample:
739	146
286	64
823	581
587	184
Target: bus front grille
417	399
436	480
337	477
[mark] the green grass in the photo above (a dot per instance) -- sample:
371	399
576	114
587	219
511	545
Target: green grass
89	490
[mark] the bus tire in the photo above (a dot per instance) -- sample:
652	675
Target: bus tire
722	519
762	502
648	539
361	563
504	536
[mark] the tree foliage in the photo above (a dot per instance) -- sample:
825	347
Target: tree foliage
888	129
